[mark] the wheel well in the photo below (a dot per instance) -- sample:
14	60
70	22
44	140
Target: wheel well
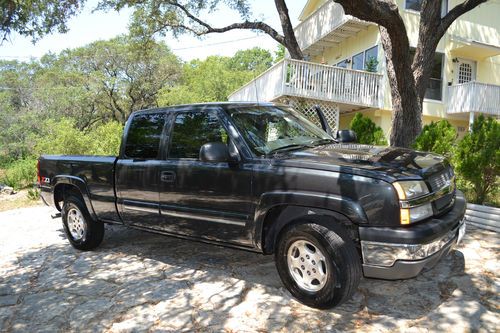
62	191
278	218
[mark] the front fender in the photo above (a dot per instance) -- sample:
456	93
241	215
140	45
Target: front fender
331	202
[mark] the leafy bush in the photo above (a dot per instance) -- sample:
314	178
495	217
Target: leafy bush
437	137
367	131
63	138
33	194
20	174
477	158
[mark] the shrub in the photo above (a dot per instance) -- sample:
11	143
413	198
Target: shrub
106	139
367	131
63	138
437	137
477	158
20	174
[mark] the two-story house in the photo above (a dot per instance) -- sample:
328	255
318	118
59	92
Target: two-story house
345	73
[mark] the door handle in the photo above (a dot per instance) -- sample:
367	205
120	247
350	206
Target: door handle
167	176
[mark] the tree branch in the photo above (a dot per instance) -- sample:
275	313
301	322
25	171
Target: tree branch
243	25
456	12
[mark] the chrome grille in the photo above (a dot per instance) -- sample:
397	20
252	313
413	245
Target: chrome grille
439	180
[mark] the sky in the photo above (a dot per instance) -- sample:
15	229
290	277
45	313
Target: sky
88	27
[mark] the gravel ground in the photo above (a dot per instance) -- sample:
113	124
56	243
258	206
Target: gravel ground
138	282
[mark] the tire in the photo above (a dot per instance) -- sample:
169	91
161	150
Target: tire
85	234
333	263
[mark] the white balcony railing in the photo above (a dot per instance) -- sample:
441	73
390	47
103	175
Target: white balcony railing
474	97
314	81
327	26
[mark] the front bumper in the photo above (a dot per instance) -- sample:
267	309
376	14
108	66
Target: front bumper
403	252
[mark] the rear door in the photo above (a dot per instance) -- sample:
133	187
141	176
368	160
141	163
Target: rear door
138	170
203	199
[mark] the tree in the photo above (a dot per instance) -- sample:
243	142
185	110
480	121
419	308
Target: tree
367	131
36	18
214	78
478	157
122	74
438	137
181	17
408	76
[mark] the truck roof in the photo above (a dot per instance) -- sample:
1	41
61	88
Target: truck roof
201	106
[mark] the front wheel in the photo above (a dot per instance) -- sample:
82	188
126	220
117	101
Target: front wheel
81	230
319	265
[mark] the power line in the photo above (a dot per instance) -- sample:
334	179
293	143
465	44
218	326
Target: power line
176	49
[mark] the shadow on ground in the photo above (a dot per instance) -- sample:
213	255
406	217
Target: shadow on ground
138	281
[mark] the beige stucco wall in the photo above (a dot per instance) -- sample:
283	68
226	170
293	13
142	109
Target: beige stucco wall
481	24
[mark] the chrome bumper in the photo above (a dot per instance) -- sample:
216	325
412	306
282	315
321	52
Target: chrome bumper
401	261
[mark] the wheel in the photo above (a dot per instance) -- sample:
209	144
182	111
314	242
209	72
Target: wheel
81	230
319	265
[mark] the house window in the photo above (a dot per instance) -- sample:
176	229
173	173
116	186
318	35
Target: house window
363	61
343	63
357	61
371	59
434	89
416	5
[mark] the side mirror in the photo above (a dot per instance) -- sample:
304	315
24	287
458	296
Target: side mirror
215	152
346	136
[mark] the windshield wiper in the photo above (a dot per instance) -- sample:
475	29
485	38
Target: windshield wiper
293	146
323	142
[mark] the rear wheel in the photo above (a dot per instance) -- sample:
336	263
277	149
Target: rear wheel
82	231
319	265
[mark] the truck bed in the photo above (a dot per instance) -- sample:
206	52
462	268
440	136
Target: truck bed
97	172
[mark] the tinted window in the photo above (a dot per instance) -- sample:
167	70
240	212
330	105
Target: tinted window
191	131
144	134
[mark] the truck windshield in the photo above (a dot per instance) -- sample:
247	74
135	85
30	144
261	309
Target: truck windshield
269	129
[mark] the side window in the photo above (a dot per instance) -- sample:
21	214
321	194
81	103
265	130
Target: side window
144	135
192	130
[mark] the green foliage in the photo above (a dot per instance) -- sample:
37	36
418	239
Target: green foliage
437	137
279	54
367	131
33	194
477	158
62	137
371	65
36	18
214	78
20	174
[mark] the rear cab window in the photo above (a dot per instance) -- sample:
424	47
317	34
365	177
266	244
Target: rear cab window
144	136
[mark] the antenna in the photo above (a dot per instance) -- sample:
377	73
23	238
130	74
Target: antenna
255	86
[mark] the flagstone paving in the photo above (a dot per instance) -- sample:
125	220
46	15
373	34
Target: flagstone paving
137	281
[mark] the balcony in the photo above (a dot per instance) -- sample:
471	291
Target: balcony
326	27
474	97
351	89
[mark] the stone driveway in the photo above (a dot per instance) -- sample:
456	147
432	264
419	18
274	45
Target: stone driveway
138	281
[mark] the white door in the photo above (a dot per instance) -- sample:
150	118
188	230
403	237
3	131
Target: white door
465	71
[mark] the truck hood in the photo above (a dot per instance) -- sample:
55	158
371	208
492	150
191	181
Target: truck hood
366	160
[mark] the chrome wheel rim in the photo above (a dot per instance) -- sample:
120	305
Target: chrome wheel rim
307	265
76	224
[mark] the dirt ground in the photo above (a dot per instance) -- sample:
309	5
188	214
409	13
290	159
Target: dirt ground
142	282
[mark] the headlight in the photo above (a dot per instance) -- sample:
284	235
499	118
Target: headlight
410	189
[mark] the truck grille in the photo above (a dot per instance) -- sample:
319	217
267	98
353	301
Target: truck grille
439	180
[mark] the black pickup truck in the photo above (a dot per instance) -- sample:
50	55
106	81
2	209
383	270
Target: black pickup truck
261	177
